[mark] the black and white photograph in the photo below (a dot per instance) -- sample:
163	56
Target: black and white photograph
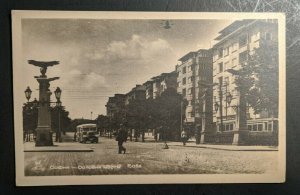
148	97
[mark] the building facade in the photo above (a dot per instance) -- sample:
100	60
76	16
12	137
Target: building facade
115	105
235	121
158	84
193	82
136	93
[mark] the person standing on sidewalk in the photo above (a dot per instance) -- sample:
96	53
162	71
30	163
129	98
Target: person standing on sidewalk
184	137
121	138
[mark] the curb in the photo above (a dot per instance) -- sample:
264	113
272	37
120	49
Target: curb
228	149
61	150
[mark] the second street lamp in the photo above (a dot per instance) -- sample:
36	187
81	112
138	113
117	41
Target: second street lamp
228	102
217	106
58	134
28	93
57	93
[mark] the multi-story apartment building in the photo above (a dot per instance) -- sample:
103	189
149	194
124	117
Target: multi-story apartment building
194	78
137	93
157	85
115	104
235	123
149	89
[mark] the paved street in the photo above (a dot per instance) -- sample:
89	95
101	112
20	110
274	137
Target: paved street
146	158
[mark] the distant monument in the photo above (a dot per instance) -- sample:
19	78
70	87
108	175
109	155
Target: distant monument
44	134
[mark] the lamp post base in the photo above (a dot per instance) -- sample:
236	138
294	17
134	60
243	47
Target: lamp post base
206	137
43	136
202	138
240	137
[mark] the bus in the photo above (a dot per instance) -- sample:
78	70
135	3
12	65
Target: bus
86	132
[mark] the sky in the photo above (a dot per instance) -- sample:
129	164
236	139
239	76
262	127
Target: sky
100	57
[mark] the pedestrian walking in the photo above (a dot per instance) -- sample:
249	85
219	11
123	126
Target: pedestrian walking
184	137
75	136
121	137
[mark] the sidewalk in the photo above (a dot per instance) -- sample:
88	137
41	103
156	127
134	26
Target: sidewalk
77	147
225	147
58	147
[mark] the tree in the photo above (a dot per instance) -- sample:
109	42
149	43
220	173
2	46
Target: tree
102	123
168	113
257	79
137	116
59	119
162	114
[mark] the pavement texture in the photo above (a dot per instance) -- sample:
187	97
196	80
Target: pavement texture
147	158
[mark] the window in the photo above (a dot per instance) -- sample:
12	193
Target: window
229	127
255	37
215	57
190	114
220	67
226	65
226	81
254	128
234	62
243	57
189	68
242	40
190	79
226	51
183	70
270	127
183	92
268	36
196	71
202	54
234	47
179	72
220	81
190	91
220	52
184	81
260	127
178	84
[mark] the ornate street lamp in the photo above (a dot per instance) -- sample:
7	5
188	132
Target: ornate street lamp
229	98
58	103
228	101
57	93
28	94
216	106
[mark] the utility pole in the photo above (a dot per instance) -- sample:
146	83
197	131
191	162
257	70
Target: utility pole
181	117
221	108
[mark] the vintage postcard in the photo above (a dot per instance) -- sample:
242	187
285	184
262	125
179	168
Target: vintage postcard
148	97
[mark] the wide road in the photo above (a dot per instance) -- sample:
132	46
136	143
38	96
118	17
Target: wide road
147	158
